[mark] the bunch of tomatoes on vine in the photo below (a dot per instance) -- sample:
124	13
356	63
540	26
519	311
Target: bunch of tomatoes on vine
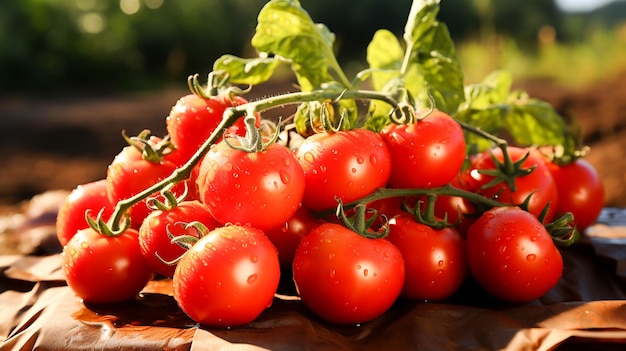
406	189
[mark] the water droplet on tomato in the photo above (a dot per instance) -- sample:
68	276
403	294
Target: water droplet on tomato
309	157
504	267
373	160
353	170
440	263
359	160
365	272
285	177
531	258
502	249
252	278
333	273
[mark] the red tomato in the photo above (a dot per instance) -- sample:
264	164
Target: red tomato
581	191
228	278
512	256
287	236
425	154
345	278
103	269
130	174
155	243
434	260
539	184
347	164
193	119
90	197
262	189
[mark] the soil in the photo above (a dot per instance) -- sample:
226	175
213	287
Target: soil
62	141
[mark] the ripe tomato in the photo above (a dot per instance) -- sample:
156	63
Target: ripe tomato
512	256
347	164
425	154
287	236
155	243
345	278
581	191
434	260
228	278
129	174
90	197
103	269
262	189
193	119
539	184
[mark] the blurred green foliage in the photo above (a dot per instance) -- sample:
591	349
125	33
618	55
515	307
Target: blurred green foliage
52	45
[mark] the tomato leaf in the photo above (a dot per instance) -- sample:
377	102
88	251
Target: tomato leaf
286	30
247	71
494	108
429	66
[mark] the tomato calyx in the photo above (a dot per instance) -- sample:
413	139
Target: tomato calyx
150	150
562	231
101	226
186	241
360	223
217	83
254	139
169	201
427	215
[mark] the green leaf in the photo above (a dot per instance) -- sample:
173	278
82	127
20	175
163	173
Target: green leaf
286	30
384	56
428	67
247	71
522	120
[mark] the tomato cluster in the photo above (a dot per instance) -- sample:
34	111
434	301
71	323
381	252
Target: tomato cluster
358	218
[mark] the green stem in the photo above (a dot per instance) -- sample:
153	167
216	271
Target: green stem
231	115
446	190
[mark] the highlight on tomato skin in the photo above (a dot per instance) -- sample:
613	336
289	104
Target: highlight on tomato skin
512	256
425	154
346	165
538	184
105	269
345	278
435	260
581	191
227	278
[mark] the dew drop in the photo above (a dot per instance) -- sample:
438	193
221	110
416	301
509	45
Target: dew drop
285	177
440	263
531	258
252	278
254	259
365	272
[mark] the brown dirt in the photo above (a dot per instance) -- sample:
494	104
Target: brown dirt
58	143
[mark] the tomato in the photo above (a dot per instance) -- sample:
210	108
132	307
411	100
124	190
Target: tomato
347	164
538	184
434	260
512	256
425	154
581	191
156	245
287	236
345	278
262	189
103	269
193	119
90	197
129	174
228	278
